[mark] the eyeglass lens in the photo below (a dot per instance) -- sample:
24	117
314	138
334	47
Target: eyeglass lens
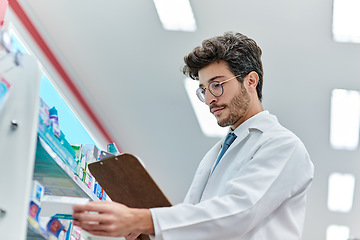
215	89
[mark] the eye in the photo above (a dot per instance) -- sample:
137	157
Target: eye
200	90
215	85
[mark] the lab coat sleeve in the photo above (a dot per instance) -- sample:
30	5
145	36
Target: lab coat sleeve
279	170
158	234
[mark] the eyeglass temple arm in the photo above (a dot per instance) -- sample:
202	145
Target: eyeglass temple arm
229	79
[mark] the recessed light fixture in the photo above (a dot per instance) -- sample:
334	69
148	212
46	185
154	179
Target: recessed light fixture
337	232
341	192
346	21
345	119
176	15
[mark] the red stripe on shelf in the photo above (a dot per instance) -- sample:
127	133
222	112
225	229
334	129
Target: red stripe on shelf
51	57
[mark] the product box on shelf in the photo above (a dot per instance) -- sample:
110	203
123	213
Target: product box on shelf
77	150
44	113
89	154
66	155
84	155
58	144
98	191
33	218
4	91
55	228
51	228
104	154
37	192
60	206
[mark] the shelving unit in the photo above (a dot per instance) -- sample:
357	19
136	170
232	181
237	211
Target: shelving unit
32	234
25	155
57	176
18	129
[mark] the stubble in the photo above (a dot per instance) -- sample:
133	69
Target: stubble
237	107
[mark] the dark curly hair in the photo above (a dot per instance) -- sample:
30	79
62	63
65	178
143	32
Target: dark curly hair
241	54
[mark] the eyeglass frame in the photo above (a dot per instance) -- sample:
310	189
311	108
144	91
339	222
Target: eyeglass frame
222	89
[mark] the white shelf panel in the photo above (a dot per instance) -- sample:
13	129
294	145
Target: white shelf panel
56	175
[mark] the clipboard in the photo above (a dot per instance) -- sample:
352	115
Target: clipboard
126	181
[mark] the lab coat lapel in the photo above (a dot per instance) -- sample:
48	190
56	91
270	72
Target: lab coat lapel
202	174
240	137
203	184
209	188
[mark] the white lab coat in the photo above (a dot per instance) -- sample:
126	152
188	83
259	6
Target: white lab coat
257	191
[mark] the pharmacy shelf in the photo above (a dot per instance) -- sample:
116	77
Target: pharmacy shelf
33	234
58	178
27	155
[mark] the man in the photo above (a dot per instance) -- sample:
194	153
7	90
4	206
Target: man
256	190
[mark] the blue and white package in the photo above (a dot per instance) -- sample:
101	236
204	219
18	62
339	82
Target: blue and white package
4	91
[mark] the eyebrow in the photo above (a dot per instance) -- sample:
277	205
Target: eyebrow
210	80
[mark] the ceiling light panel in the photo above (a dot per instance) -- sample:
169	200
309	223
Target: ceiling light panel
341	192
345	119
176	15
346	21
337	232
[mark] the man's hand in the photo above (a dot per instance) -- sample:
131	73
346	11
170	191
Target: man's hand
113	219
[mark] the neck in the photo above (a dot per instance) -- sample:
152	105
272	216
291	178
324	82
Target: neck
252	111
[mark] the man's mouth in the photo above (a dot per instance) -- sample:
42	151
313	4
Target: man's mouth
216	110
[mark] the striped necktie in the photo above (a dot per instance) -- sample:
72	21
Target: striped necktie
228	141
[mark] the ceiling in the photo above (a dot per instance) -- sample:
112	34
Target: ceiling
128	69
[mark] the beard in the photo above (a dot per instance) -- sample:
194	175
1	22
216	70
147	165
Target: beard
238	107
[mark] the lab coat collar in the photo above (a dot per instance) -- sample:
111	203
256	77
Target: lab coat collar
260	121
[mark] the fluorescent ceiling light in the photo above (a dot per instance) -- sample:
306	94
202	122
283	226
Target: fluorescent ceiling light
337	232
345	119
176	15
340	192
346	21
207	121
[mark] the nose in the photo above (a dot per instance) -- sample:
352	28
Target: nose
209	98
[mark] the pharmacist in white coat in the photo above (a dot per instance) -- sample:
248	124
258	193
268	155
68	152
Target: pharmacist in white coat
256	190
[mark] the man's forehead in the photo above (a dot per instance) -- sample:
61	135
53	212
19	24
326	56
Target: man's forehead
205	81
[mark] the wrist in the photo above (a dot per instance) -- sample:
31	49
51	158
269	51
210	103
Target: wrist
144	221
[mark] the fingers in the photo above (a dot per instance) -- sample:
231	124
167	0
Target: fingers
96	206
94	220
90	217
101	233
105	218
88	212
103	229
91	226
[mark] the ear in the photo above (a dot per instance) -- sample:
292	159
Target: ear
252	79
250	82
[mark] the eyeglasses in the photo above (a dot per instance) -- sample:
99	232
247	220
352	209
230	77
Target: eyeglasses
215	88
